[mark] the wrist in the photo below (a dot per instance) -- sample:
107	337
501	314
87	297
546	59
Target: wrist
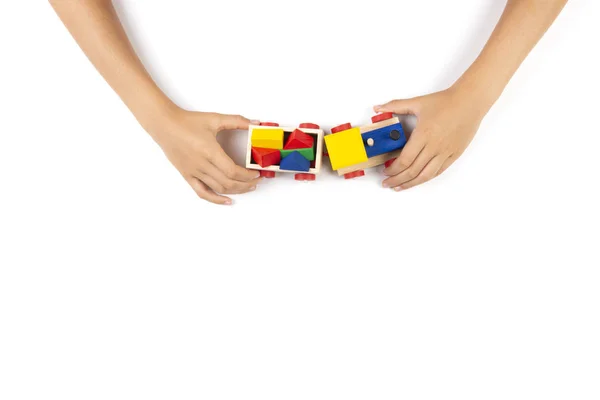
155	112
478	101
479	90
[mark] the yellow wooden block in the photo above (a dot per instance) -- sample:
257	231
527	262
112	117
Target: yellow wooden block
345	148
267	138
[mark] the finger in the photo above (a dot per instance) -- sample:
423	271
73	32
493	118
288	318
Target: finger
229	122
411	172
204	192
406	106
449	161
212	183
429	172
408	155
227	184
221	184
230	169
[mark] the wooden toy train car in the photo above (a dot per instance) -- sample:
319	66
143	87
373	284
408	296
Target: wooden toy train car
352	150
297	150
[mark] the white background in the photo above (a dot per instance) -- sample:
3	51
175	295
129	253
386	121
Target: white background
117	282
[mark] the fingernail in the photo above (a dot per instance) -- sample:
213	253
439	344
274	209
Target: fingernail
386	184
227	202
255	122
377	107
398	188
253	188
257	175
386	172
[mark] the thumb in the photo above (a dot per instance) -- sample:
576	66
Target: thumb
407	106
232	122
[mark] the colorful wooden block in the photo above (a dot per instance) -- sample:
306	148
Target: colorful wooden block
296	166
345	148
295	162
384	140
299	140
266	157
309	154
267	138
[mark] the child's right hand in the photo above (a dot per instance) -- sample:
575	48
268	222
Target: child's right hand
189	140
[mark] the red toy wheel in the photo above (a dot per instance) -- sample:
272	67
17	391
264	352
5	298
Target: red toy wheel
267	174
355	174
309	125
305	177
382	117
341	128
269	124
389	162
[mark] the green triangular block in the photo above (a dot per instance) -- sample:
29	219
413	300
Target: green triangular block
309	154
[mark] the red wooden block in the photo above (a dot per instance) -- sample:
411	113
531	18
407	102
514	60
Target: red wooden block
309	125
299	140
266	157
341	128
382	117
305	177
267	174
269	124
355	174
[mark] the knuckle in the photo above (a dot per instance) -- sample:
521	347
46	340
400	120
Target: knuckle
248	185
200	194
215	118
403	162
216	187
427	177
232	188
230	171
226	187
242	189
424	132
204	152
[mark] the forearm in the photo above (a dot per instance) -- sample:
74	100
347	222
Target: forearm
96	27
521	26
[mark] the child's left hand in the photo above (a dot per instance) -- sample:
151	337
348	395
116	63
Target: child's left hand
446	123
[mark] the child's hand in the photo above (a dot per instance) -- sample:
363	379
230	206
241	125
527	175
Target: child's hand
446	124
189	142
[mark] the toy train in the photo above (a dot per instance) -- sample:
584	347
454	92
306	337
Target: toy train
352	150
274	149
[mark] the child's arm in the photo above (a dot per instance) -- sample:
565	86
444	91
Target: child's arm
448	120
187	138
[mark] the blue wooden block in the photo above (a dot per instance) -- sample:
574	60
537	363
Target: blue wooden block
295	162
385	139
